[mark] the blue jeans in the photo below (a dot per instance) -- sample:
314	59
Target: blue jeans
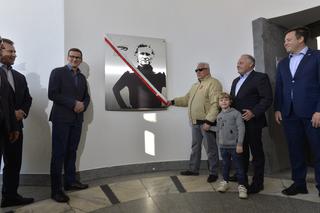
228	154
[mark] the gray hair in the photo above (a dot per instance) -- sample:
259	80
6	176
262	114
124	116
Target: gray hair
251	58
204	64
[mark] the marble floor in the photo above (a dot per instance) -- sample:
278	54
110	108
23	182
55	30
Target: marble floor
170	192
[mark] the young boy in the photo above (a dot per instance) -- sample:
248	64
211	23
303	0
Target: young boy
230	134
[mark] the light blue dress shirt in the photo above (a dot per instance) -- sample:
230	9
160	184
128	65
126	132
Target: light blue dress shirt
295	59
241	81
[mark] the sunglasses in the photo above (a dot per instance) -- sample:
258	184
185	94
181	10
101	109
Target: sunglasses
200	69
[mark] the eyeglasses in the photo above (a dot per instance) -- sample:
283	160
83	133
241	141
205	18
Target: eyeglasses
75	57
200	69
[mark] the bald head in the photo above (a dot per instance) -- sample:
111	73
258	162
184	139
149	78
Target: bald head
245	64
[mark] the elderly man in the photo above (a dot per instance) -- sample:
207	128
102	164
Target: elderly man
252	96
202	103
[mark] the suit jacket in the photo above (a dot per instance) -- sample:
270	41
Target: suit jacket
302	92
23	99
254	94
7	104
64	92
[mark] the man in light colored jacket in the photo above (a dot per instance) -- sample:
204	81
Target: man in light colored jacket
202	103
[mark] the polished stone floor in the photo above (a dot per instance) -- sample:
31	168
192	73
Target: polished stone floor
170	192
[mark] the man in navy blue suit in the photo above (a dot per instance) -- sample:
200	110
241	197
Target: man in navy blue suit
297	105
12	152
69	92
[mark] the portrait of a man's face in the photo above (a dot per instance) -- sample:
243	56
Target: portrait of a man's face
125	89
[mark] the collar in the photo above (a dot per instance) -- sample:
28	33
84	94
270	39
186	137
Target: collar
205	78
70	68
245	75
301	52
7	67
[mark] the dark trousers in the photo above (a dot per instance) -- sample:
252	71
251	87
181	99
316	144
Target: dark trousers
252	142
65	141
12	158
296	130
227	154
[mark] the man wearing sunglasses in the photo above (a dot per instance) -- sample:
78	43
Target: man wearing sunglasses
140	97
202	103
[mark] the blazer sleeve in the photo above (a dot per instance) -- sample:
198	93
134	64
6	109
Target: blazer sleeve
265	94
54	93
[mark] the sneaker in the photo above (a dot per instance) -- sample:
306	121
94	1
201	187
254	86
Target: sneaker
242	192
223	186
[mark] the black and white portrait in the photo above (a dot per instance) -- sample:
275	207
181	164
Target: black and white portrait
125	90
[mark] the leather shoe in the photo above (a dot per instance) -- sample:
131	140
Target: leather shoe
233	178
76	186
294	189
189	173
60	197
15	201
212	178
255	188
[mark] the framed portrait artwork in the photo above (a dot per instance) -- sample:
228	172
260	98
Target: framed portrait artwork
135	73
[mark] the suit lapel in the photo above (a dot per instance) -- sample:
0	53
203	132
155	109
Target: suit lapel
233	87
245	83
305	58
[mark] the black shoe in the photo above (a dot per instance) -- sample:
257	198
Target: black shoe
212	178
60	197
15	201
294	189
255	188
189	173
76	186
233	178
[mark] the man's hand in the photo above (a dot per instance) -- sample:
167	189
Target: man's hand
20	114
79	107
239	149
278	117
206	127
247	114
13	136
316	120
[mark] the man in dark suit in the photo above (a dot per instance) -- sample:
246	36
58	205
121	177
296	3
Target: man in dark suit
252	96
8	125
12	152
69	92
297	105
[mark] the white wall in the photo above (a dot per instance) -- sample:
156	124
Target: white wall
204	30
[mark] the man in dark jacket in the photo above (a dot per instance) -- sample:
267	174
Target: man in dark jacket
12	152
252	95
69	92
